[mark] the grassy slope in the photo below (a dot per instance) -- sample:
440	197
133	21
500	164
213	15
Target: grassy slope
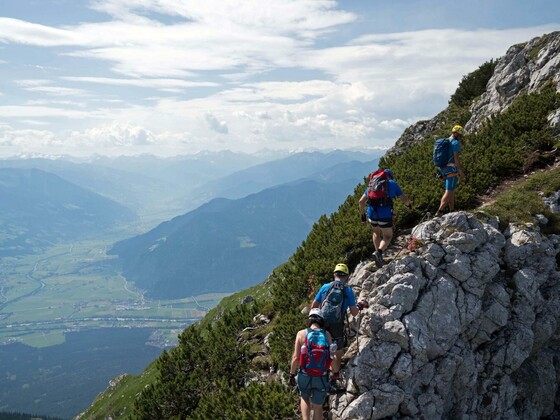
521	202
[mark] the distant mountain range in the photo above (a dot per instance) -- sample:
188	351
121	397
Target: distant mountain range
38	207
160	188
147	184
227	245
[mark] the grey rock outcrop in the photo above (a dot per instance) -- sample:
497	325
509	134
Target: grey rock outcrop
524	69
466	327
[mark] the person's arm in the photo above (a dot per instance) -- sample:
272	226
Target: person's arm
354	310
318	298
329	337
362	204
405	200
297	350
458	165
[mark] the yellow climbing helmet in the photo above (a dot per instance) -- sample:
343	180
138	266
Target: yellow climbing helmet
342	268
458	129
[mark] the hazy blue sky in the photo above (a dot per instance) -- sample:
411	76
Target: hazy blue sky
177	76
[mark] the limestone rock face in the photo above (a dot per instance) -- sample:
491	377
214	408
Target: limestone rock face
524	69
467	327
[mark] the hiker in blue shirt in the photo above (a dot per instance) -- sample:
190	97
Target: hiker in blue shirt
380	216
452	172
336	326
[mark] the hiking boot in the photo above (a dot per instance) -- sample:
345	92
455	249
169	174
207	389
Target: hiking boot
378	257
336	386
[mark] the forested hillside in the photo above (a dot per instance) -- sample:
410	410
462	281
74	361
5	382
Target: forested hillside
39	208
208	374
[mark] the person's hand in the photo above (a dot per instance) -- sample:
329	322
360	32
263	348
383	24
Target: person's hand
409	205
364	218
362	305
461	175
292	379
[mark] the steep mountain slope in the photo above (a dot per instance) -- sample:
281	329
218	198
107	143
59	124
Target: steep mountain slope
247	237
39	207
468	332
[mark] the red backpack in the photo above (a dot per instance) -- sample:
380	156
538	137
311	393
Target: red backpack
378	189
315	357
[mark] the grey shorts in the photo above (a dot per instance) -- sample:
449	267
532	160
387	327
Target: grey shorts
314	387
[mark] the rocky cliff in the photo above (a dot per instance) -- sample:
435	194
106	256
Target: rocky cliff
525	68
466	326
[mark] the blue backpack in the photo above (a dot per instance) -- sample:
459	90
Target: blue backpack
442	152
331	307
317	361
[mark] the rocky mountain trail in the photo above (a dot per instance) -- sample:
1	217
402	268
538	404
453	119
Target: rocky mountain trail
454	325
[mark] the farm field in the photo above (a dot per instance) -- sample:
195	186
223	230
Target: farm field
76	287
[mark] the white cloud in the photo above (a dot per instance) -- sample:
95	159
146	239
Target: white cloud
32	82
17	111
217	126
114	135
359	93
57	90
396	124
163	84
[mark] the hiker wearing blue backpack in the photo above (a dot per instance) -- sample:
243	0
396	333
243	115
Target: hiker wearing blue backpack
379	195
312	358
335	299
446	158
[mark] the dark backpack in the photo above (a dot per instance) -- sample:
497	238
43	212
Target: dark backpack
442	152
378	189
332	304
317	360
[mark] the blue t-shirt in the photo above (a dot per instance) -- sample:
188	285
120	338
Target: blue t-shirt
384	212
349	298
455	148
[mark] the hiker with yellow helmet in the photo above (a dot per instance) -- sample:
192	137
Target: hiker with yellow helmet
334	299
452	171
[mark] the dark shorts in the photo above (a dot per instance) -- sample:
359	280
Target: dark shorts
337	334
314	387
382	223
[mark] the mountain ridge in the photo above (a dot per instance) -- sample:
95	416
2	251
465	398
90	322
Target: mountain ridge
261	332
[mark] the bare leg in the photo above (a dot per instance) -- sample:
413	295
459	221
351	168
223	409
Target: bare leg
376	237
387	236
305	408
317	412
448	199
